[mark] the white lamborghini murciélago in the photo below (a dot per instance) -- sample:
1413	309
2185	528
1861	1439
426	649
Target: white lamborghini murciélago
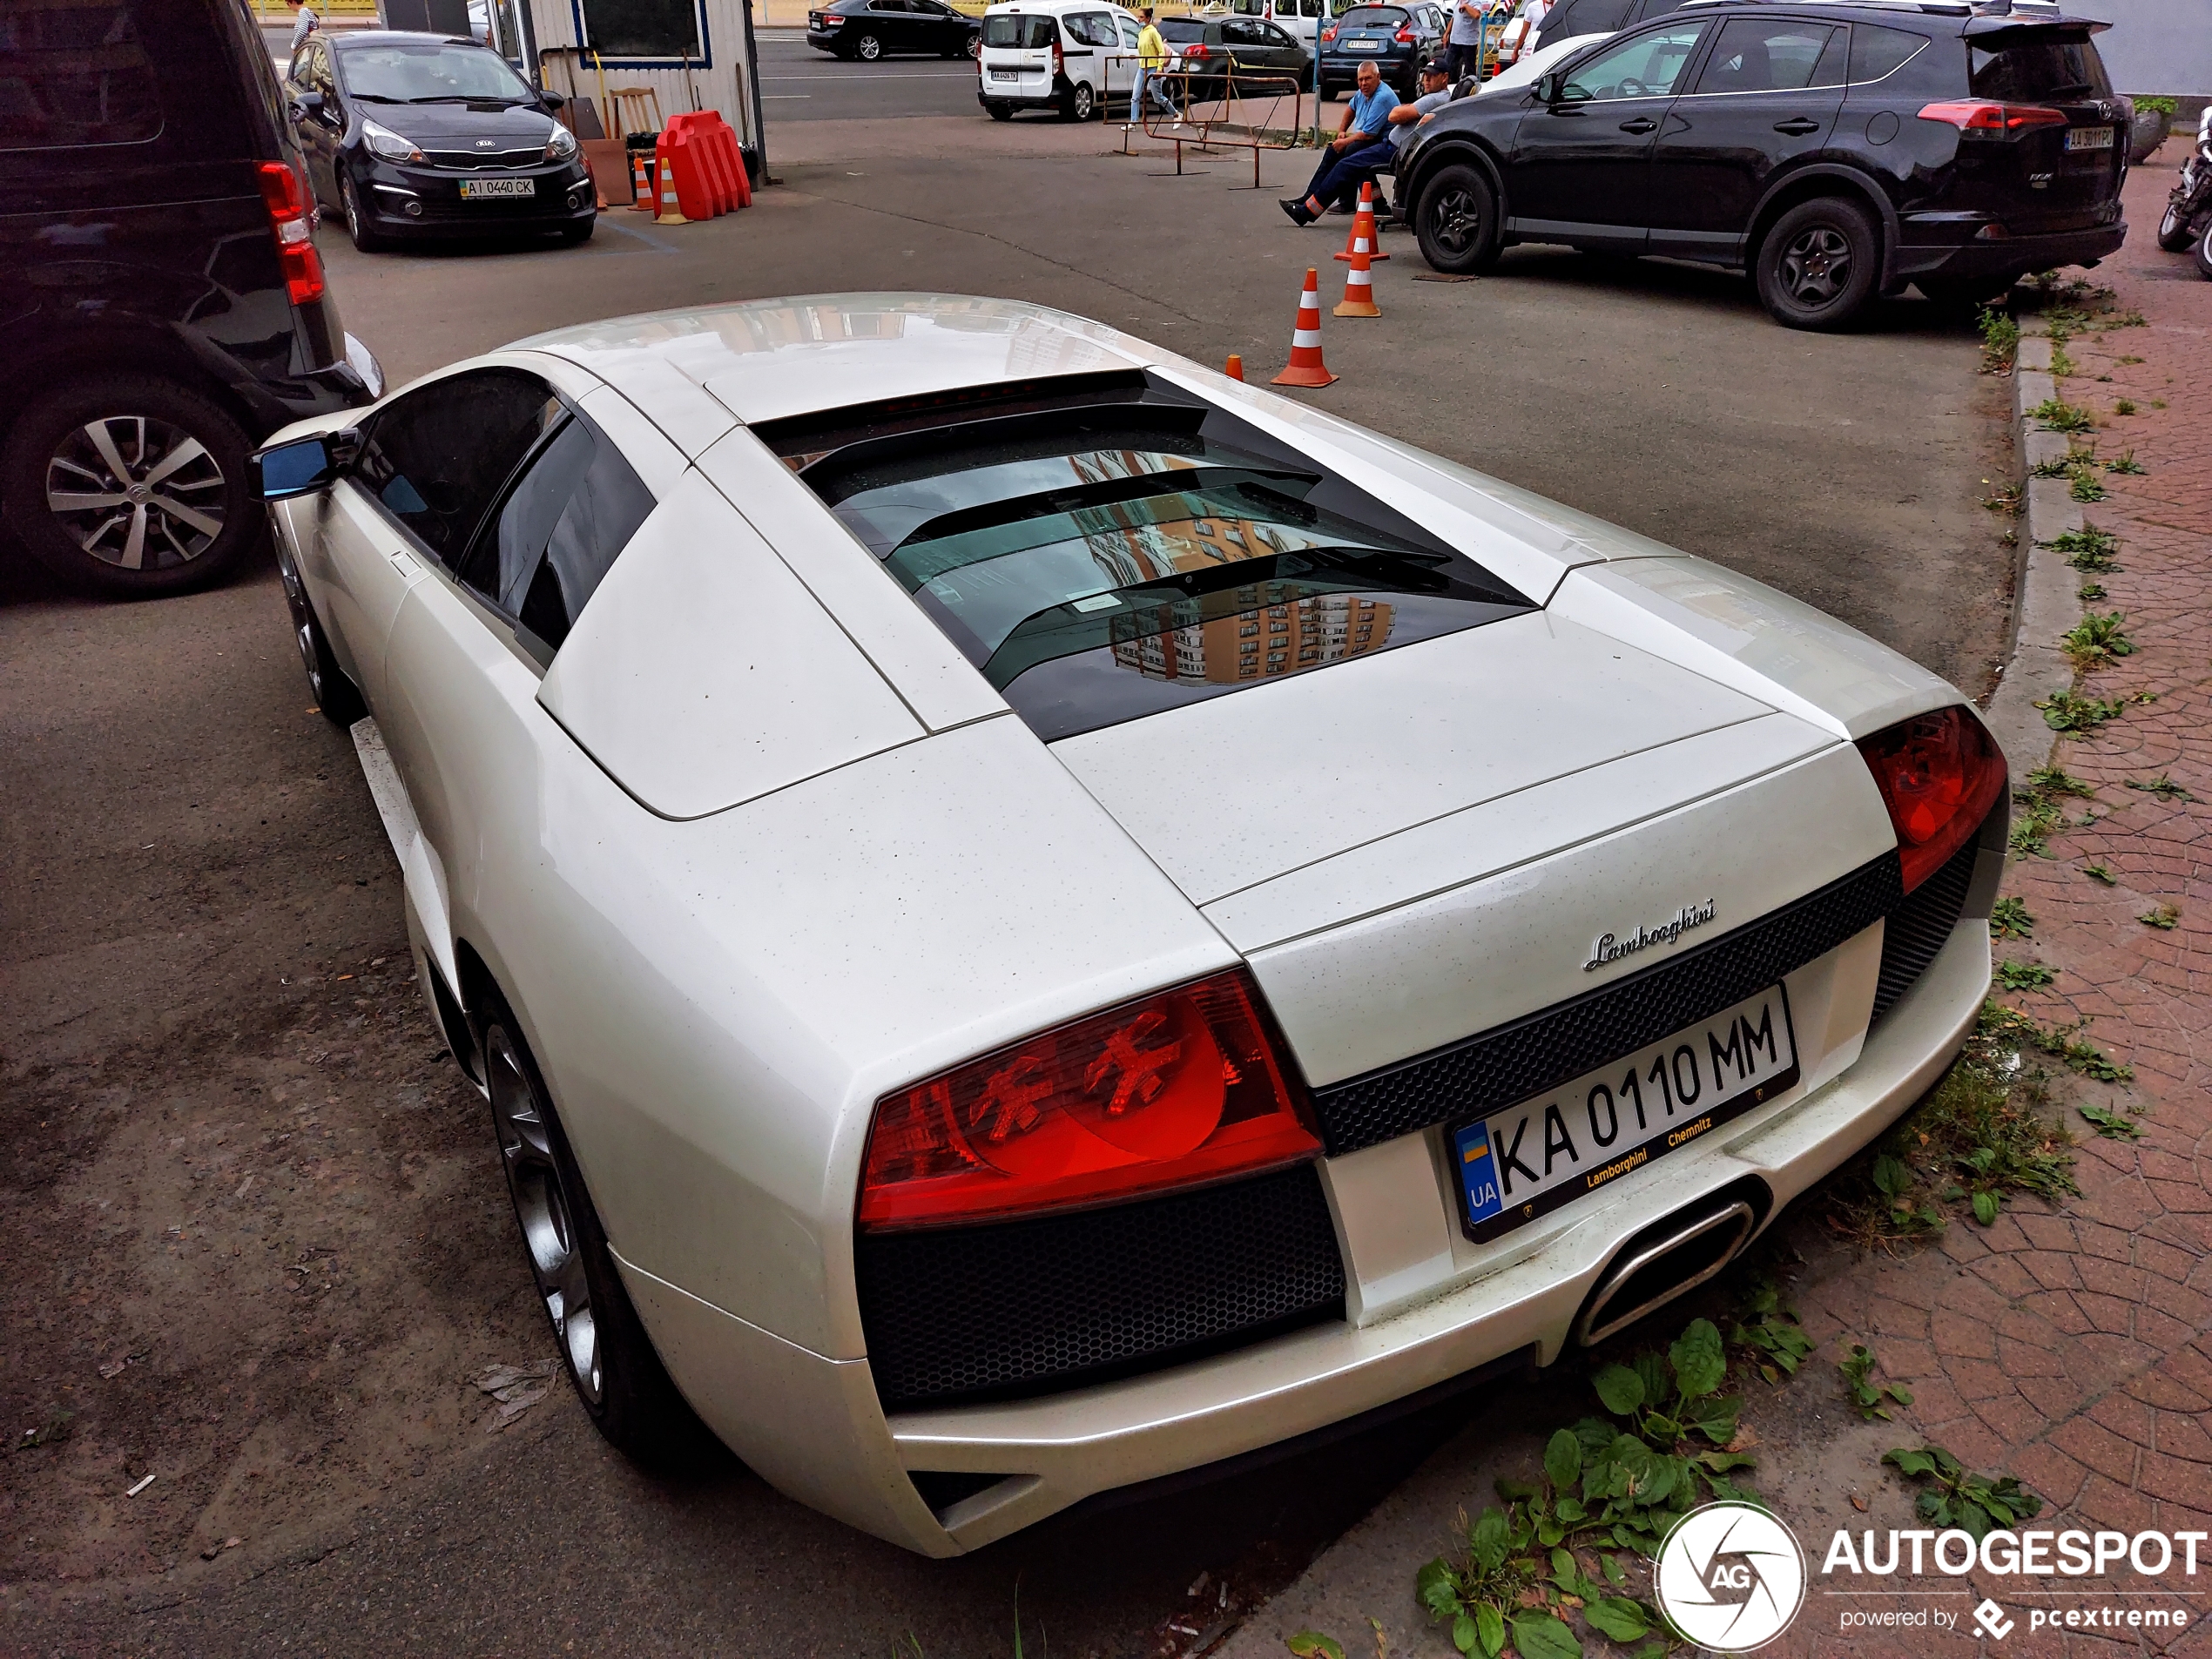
1033	918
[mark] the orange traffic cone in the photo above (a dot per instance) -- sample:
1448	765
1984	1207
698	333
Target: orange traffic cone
1235	369
1363	228
1358	290
671	212
640	182
1305	367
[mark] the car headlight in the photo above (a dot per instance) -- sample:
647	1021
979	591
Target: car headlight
561	145
384	142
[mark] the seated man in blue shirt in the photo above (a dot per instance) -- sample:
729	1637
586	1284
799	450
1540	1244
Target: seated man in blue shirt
1361	146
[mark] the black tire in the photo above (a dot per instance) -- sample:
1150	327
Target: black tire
51	439
998	109
336	696
1965	293
867	49
1819	265
2173	231
1456	220
1078	103
358	229
2202	254
622	1385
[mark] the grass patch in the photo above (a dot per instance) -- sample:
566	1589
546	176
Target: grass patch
1869	1398
2069	711
2129	360
2162	786
2126	320
2113	1126
2009	919
2000	340
2058	415
2032	828
2088	548
2062	364
2124	406
2090	592
2129	465
1951	1495
2065	466
2166	918
2025	976
2100	872
2010	1033
2006	501
2085	487
2057	780
2097	641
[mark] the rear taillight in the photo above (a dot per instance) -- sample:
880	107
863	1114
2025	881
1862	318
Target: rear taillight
288	222
1328	35
1184	1087
1979	116
1405	37
1059	61
1939	774
1196	49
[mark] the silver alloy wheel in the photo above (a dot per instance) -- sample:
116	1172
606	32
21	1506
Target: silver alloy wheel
135	492
1082	102
543	1208
349	201
1816	267
871	48
303	618
974	45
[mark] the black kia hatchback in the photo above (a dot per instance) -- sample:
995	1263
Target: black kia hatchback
162	305
427	137
1836	149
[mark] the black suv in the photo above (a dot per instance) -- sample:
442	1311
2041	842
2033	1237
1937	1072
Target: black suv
162	305
1835	150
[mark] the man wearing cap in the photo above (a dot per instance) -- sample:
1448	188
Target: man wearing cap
1361	148
1438	89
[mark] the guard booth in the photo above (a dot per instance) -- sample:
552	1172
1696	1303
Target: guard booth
628	59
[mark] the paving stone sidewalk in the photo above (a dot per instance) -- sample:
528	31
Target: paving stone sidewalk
2068	1343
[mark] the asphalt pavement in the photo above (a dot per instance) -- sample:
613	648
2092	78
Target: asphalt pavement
197	977
799	84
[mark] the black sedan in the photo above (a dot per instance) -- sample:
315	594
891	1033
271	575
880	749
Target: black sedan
423	136
868	29
1265	58
1397	40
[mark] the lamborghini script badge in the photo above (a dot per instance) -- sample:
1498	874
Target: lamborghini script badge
1611	948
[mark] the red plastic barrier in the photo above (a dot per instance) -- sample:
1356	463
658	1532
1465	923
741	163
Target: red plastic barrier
708	167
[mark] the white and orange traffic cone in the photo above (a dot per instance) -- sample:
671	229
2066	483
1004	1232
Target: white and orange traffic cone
1305	367
640	182
1363	228
1235	367
672	211
1358	290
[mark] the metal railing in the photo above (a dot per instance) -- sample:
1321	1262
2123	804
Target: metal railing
1242	110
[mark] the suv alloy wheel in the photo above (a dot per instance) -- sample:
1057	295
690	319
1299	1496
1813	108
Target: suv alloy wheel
1818	264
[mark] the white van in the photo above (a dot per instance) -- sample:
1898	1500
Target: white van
1078	57
1301	19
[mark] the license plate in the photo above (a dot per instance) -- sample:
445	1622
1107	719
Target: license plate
478	189
1362	45
2089	139
1006	74
1518	1163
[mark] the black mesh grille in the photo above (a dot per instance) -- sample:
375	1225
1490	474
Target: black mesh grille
1918	927
1026	1307
1500	1067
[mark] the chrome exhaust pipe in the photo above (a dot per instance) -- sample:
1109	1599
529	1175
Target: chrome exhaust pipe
1689	1249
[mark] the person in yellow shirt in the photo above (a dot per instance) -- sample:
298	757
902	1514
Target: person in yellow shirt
1152	58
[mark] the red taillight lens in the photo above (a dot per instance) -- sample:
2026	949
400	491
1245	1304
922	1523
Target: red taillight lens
1975	115
1184	1086
1059	61
1939	774
1198	49
288	205
1405	37
1328	35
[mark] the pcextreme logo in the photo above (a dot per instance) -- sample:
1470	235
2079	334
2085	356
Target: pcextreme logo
1730	1577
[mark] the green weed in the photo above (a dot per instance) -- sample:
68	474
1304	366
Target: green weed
2006	501
1869	1398
2127	464
2089	592
1953	1496
1771	1332
2032	828
2099	872
2088	548
2066	711
2062	364
2025	976
2009	919
2058	415
2097	641
2085	487
2162	786
2166	918
2003	1028
2124	406
2000	339
2056	780
2113	1126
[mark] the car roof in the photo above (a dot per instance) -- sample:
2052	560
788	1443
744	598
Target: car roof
764	360
349	39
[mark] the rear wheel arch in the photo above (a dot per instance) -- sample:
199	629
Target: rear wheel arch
1823	180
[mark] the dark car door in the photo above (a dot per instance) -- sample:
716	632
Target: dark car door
1766	97
1580	167
891	24
320	130
938	28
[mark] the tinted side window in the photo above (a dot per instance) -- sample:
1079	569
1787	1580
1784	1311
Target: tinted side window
75	75
1645	66
1093	28
1756	56
572	512
2059	68
437	457
1875	50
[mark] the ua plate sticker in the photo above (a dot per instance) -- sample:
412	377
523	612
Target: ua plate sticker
1515	1164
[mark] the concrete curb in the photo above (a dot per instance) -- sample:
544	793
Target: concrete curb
2048	605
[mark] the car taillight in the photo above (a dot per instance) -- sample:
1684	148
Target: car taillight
1328	35
1196	49
1976	115
1059	60
1939	774
1405	37
288	222
1184	1087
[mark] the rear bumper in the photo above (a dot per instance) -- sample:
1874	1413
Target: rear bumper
1019	100
1344	66
2017	255
812	1426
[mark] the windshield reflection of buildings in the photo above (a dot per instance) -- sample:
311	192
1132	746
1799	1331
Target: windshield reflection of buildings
1267	635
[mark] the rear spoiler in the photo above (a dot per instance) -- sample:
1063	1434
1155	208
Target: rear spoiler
2004	30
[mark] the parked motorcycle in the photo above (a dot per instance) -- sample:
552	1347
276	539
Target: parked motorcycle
2188	219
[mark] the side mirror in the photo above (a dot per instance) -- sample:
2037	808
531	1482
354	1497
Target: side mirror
303	466
552	100
306	104
1547	87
